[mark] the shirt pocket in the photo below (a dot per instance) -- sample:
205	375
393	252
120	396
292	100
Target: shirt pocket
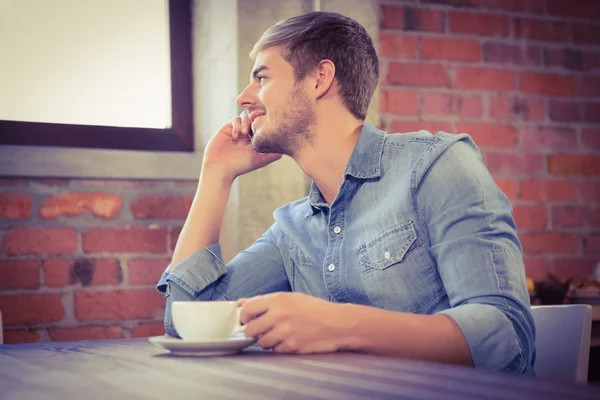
382	252
397	273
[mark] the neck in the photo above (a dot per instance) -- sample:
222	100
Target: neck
325	159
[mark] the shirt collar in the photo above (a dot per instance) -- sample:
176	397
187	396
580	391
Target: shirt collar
364	163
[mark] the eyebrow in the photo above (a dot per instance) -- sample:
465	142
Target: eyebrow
258	71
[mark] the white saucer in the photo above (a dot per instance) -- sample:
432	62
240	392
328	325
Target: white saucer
202	348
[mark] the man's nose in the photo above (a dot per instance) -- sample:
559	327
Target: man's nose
247	98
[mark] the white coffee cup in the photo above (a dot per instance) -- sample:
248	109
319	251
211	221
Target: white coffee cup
206	320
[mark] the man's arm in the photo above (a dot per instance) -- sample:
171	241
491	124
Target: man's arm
473	239
196	271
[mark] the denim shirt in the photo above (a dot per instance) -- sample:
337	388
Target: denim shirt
418	226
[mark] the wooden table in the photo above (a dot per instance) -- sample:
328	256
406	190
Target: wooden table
134	369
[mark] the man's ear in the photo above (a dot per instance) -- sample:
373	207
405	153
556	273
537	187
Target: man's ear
325	75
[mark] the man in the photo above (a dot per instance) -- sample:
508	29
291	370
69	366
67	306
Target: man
405	246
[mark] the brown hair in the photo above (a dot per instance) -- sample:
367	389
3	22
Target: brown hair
310	38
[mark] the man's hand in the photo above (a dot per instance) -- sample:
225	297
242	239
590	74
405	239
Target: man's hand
295	323
229	152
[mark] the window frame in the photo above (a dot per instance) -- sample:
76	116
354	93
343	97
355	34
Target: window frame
179	137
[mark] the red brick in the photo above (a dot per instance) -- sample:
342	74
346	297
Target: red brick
173	237
418	75
501	53
395	45
393	16
591	244
591	137
125	240
566	111
565	268
401	102
490	135
85	333
590	191
146	271
118	305
544	138
38	241
514	108
508	186
546	31
591	112
19	274
106	271
31	309
530	216
548	190
162	207
18	336
148	329
586	34
571	59
592	217
514	164
422	19
550	242
478	23
574	8
574	164
471	78
567	216
449	49
57	272
84	271
456	3
537	268
435	103
15	205
415	126
102	205
549	84
589	86
532	6
470	106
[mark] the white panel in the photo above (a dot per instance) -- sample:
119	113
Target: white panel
88	62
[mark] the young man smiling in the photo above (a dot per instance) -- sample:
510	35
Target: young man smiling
405	246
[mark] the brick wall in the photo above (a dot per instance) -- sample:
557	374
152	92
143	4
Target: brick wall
522	77
79	259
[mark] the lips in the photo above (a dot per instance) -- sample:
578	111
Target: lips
255	114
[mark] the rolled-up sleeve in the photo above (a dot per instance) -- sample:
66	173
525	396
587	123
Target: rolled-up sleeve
474	241
204	276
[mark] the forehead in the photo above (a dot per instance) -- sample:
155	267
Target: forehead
271	58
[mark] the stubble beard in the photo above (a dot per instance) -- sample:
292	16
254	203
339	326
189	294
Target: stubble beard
293	130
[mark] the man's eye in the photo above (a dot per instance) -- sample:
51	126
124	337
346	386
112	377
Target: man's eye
261	79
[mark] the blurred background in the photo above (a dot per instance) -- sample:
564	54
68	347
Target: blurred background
91	205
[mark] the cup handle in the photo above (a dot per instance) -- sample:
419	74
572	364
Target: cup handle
238	328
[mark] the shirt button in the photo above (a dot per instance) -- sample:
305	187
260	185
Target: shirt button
387	255
337	229
331	267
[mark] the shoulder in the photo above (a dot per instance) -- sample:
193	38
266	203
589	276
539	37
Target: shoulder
292	213
420	150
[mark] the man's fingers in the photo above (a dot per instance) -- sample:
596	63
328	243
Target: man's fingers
260	326
246	123
254	307
236	123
